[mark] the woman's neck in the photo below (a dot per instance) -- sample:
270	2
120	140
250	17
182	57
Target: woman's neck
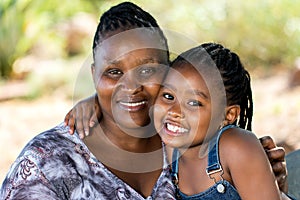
123	152
137	140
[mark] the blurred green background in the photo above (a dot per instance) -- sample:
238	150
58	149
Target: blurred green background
45	45
266	33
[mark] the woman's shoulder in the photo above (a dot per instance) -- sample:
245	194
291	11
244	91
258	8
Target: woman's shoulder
51	140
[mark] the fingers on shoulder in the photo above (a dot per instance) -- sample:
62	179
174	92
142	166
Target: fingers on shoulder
267	142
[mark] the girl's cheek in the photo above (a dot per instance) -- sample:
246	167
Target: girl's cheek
159	114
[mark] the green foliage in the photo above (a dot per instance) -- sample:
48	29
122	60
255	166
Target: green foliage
12	26
263	32
26	24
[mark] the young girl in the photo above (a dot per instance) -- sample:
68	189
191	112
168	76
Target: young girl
186	116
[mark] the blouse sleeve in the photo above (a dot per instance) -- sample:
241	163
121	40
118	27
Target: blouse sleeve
25	180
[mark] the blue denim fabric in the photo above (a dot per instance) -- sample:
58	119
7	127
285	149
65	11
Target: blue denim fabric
213	165
213	194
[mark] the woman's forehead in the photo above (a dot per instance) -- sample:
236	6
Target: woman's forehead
123	42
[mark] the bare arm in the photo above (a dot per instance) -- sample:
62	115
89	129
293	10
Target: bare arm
250	170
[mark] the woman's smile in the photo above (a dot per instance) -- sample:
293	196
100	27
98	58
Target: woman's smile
133	106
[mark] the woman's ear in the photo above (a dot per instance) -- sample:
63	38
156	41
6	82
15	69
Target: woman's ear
231	114
93	71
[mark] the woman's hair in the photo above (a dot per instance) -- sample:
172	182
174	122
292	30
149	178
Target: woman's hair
235	77
122	17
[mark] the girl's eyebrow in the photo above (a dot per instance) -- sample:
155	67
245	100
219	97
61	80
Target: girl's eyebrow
200	93
171	87
193	92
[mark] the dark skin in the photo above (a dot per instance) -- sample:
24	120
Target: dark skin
87	114
276	156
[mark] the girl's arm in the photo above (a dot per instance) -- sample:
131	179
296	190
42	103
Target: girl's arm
83	116
246	162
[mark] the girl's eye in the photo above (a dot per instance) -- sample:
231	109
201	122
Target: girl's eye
168	96
194	103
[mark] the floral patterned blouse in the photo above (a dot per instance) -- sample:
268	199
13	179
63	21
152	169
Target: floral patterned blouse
57	165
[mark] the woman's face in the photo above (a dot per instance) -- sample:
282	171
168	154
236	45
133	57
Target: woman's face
128	71
182	110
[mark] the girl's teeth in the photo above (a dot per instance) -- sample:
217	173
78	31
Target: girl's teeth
174	128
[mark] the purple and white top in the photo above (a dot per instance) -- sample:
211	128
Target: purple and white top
57	165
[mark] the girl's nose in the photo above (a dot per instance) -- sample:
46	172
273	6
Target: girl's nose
175	111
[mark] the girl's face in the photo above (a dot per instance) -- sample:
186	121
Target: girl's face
182	110
127	74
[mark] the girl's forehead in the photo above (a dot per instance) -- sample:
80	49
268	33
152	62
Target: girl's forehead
185	75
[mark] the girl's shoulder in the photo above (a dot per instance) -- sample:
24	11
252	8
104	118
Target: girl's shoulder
238	147
238	139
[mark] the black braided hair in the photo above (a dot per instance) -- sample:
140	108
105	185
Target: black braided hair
122	17
235	77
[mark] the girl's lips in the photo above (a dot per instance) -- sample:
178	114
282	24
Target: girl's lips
175	130
133	106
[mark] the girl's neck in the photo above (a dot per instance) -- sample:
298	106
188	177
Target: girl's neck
193	153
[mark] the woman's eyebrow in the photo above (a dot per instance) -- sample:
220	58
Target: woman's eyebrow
138	62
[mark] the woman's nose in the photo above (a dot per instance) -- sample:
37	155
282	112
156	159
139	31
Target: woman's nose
130	83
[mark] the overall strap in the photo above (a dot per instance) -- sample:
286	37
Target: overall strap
174	173
214	165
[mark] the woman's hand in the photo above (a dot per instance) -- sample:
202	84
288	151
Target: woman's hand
276	157
83	116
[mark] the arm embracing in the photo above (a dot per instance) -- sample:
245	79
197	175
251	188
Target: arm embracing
84	115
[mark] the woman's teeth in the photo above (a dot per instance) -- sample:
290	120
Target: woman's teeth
133	104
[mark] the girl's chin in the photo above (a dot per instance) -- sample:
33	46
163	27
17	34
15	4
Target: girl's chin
172	142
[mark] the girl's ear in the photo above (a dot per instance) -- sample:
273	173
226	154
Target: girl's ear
231	114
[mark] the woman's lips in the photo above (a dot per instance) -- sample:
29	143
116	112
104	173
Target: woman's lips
133	106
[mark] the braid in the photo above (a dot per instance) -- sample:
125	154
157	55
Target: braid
235	77
122	17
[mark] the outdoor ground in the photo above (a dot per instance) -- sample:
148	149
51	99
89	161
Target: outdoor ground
277	113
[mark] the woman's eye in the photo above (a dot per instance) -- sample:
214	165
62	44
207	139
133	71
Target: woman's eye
168	96
194	103
147	71
114	72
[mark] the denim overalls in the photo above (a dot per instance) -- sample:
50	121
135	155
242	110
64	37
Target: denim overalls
220	190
